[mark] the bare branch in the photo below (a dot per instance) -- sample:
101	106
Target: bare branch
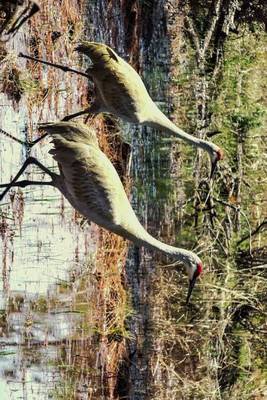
227	204
257	230
229	18
211	30
194	35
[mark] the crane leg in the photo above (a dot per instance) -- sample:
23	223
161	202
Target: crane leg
31	144
27	13
26	182
30	160
74	115
27	144
94	108
64	68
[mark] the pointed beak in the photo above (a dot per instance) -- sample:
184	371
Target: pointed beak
190	289
214	161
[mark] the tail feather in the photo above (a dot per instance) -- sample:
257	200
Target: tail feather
62	155
74	132
65	152
98	52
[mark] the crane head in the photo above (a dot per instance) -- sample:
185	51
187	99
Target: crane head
193	270
217	155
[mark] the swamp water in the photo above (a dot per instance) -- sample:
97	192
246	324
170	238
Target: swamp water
45	246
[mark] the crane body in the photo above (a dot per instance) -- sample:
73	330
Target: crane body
119	90
91	184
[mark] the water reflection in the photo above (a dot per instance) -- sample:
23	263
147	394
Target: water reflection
40	243
43	243
31	343
26	374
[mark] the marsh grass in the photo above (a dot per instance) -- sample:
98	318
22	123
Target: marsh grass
215	349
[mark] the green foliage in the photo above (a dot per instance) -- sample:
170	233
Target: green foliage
244	123
219	341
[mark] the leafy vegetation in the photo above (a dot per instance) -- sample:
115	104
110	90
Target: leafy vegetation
215	349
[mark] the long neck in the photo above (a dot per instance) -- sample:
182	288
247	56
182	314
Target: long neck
159	121
143	238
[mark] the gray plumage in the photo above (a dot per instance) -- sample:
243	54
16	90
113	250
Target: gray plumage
121	91
91	184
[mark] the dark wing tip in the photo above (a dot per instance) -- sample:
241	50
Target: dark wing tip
112	54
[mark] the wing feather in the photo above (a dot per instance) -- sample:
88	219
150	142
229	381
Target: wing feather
71	131
99	53
91	180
